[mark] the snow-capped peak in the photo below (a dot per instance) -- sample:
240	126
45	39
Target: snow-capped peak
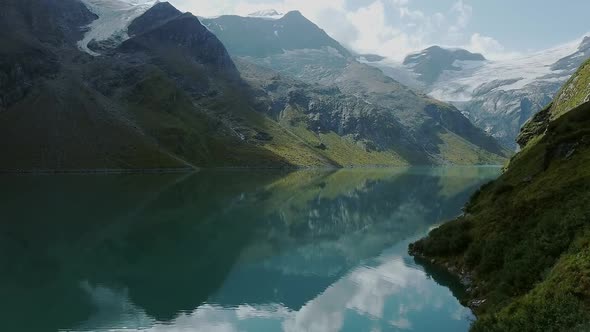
267	13
114	16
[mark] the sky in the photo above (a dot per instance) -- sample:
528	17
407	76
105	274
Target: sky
395	28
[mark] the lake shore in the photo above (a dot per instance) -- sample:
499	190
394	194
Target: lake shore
197	169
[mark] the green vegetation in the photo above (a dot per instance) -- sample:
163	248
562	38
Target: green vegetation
458	151
523	244
63	125
189	132
210	139
342	150
573	93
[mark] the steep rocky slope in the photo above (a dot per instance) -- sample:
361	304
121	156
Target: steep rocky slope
522	246
430	131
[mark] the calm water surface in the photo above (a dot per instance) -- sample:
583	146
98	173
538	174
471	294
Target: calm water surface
228	251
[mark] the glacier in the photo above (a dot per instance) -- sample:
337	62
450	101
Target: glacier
114	16
517	72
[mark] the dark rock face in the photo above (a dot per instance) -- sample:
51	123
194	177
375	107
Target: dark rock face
431	62
372	57
30	33
55	22
19	72
159	14
185	33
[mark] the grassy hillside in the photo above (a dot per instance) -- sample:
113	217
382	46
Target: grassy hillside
62	125
574	92
522	247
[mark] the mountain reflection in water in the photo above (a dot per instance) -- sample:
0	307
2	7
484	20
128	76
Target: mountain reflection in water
228	251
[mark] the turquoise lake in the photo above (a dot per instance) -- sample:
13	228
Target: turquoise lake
229	251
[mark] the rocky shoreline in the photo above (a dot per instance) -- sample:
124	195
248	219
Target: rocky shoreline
464	276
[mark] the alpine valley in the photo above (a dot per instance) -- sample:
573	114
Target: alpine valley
139	85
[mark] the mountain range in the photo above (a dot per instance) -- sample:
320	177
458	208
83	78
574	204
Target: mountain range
498	96
119	84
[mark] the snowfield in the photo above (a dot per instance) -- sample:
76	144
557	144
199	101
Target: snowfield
114	16
516	73
508	74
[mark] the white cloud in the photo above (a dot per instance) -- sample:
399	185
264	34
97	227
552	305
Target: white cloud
366	290
490	47
462	14
400	2
374	34
484	45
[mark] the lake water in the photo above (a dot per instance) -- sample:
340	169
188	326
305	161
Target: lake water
229	251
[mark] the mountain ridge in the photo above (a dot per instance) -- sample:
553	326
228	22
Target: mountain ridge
284	33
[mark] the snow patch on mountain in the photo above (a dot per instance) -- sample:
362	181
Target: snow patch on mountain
114	16
267	13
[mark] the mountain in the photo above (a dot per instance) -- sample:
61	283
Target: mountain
498	96
168	97
365	105
522	244
433	61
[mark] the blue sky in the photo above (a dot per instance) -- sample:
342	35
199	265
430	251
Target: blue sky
523	25
394	28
